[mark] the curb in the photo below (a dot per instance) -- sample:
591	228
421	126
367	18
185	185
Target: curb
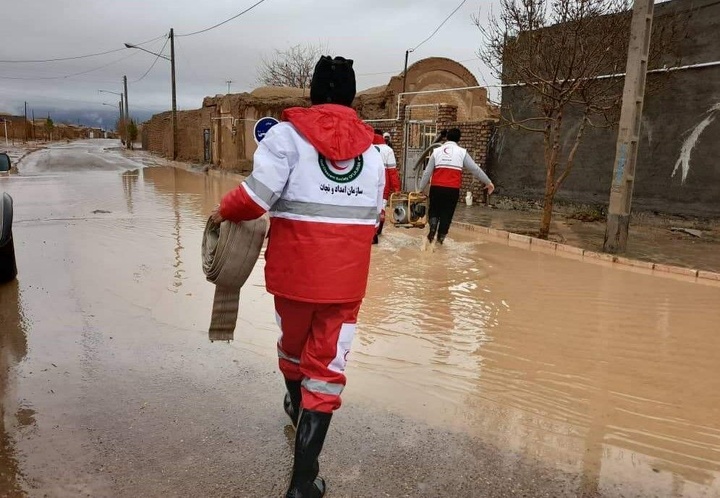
578	253
27	153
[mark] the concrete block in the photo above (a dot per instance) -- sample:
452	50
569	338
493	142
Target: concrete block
500	234
578	251
675	270
521	239
600	256
709	275
635	263
544	244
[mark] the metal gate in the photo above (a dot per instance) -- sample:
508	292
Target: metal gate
419	135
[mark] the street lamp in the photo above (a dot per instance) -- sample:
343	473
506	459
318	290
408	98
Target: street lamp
122	105
120	108
172	75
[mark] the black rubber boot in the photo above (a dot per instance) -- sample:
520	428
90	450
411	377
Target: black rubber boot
434	222
441	238
309	438
291	403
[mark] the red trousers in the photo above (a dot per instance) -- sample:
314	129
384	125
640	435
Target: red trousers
313	347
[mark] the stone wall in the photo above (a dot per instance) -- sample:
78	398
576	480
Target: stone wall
678	171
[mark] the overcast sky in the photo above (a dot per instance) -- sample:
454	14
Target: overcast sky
375	33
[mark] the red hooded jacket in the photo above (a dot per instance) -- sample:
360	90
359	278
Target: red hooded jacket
322	182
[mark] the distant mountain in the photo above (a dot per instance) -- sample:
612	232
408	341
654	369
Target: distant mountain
100	118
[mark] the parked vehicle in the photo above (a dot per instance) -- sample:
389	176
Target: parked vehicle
8	266
5	163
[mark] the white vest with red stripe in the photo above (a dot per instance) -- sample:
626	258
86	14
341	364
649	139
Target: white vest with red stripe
449	158
323	220
387	154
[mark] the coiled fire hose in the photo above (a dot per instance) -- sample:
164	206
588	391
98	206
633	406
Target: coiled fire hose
229	253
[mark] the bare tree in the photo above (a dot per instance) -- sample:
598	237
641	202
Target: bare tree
49	127
292	67
567	57
122	129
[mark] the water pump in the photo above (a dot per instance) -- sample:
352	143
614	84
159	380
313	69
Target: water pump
408	210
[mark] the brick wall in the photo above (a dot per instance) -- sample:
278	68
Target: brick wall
476	139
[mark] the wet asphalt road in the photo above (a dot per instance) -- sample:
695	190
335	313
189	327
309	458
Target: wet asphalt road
111	388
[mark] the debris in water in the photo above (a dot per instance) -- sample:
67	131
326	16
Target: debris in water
101	211
689	231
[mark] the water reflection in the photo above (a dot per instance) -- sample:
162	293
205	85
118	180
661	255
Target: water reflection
605	373
13	348
129	181
610	372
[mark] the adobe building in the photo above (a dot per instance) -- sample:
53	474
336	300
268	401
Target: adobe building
440	93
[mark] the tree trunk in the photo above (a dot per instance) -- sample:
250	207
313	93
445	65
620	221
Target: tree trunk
547	214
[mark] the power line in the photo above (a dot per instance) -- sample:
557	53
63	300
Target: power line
225	21
441	25
60	59
38	78
159	54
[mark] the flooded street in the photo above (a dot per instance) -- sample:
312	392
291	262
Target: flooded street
478	369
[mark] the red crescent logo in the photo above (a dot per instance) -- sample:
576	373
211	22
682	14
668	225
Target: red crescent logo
336	166
445	150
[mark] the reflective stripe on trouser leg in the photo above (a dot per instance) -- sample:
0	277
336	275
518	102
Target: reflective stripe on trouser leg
294	319
325	356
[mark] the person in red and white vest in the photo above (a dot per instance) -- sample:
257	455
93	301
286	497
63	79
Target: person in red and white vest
322	181
392	179
444	173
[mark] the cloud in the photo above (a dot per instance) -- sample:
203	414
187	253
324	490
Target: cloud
375	33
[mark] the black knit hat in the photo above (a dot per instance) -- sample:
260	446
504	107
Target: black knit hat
333	81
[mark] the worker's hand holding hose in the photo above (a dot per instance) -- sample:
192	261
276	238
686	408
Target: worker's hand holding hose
490	188
215	216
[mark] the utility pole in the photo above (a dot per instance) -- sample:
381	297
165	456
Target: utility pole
174	94
26	123
120	105
32	130
407	53
618	220
126	124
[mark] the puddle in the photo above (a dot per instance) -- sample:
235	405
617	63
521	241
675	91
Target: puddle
605	373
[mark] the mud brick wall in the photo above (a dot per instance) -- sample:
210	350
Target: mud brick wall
157	135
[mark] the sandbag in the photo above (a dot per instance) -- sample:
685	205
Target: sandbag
229	253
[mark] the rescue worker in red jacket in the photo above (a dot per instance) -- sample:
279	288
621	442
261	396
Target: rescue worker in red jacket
444	173
392	179
322	181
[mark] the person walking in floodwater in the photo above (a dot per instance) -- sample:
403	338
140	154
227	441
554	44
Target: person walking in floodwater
392	179
444	173
322	181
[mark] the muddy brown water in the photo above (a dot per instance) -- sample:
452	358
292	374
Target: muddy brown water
608	375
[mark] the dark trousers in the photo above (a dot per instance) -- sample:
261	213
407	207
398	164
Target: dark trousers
443	201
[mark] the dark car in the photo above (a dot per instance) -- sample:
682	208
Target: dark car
5	163
8	267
